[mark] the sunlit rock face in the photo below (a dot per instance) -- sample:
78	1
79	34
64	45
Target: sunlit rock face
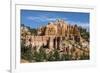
59	28
51	29
52	34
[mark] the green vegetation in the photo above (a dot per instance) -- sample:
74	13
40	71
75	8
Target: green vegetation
33	31
84	33
42	56
26	54
84	57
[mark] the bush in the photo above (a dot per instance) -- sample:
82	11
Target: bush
40	56
26	53
84	57
56	55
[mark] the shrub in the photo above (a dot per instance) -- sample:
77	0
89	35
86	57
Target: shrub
26	53
40	56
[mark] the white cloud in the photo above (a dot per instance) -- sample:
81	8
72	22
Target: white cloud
35	18
79	23
84	25
32	18
43	18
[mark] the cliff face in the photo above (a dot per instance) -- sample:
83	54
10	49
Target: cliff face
59	28
52	34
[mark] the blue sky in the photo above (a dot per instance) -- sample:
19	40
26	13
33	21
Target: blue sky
36	18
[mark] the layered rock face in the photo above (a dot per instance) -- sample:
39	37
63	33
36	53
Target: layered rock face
59	28
52	34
